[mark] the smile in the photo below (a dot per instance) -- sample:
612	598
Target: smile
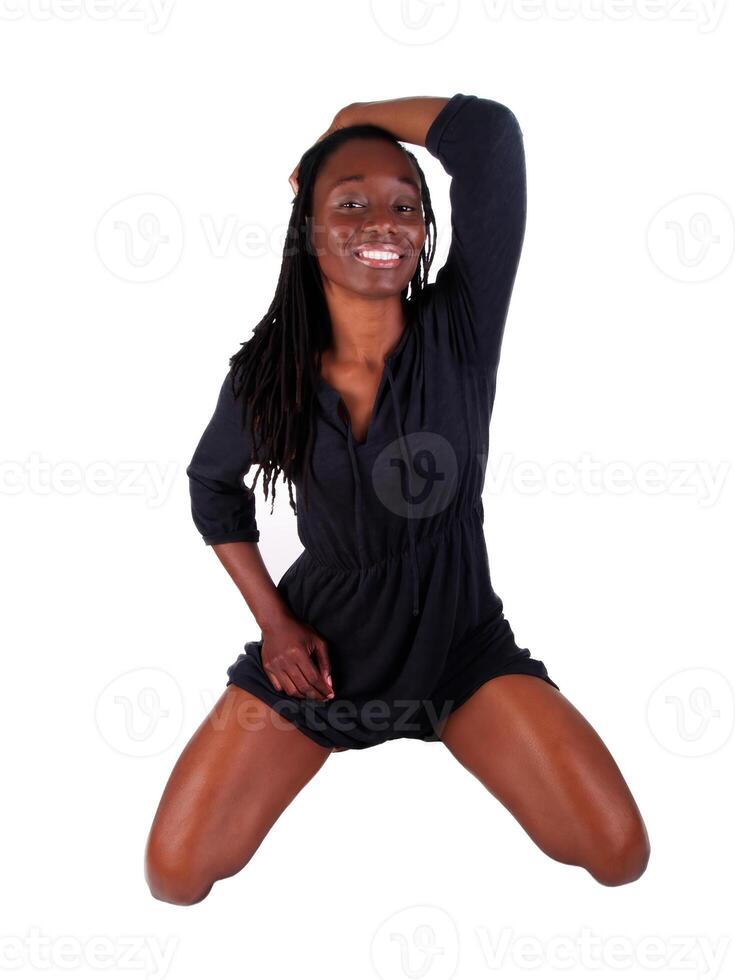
378	257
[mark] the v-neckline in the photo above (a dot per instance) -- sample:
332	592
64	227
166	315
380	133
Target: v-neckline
400	343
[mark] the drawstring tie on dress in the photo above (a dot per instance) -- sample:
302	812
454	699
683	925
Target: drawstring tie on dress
359	525
409	469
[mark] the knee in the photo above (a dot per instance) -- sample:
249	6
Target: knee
171	878
623	857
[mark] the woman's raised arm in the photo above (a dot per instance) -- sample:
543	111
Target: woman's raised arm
480	145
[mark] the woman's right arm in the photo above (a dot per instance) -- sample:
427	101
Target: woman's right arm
285	638
244	563
223	510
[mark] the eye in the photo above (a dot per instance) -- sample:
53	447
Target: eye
348	204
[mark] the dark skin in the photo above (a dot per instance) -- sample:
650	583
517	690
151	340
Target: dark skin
519	736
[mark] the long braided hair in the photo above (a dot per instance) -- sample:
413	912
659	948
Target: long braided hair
276	371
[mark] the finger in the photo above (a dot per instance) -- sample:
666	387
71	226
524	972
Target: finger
288	684
274	680
318	665
320	652
301	687
293	178
311	684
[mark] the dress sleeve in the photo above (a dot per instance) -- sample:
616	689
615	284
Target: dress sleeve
222	507
480	145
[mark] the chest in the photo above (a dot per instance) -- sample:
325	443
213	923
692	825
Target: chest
419	440
355	392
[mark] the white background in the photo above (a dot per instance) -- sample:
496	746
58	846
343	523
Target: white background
618	346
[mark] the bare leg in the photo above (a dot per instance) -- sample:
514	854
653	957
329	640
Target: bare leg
531	748
236	775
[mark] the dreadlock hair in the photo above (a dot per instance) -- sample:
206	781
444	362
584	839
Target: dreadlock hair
276	371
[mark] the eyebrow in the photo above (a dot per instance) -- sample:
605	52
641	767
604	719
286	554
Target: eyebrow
343	180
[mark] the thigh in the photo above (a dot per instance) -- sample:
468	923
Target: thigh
237	774
534	751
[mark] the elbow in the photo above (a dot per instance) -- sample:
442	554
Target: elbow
250	535
509	127
500	118
222	514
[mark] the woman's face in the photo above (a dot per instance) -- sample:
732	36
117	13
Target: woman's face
367	193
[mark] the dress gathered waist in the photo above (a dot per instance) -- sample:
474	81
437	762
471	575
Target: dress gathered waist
466	515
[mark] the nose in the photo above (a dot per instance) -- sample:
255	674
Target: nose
380	219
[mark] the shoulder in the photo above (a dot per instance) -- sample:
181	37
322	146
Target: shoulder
443	326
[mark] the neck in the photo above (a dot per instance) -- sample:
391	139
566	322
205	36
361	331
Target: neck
365	330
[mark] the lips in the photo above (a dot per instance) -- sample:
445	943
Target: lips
378	255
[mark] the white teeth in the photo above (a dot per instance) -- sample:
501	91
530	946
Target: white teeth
380	256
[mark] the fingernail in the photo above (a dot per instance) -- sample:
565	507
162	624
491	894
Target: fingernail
329	679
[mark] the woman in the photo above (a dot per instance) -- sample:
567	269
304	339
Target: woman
375	402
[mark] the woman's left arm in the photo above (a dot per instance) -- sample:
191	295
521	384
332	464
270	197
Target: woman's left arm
480	145
408	119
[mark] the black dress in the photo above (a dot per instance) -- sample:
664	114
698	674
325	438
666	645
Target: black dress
394	573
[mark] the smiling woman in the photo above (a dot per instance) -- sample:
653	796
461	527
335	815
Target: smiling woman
368	229
374	389
401	401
